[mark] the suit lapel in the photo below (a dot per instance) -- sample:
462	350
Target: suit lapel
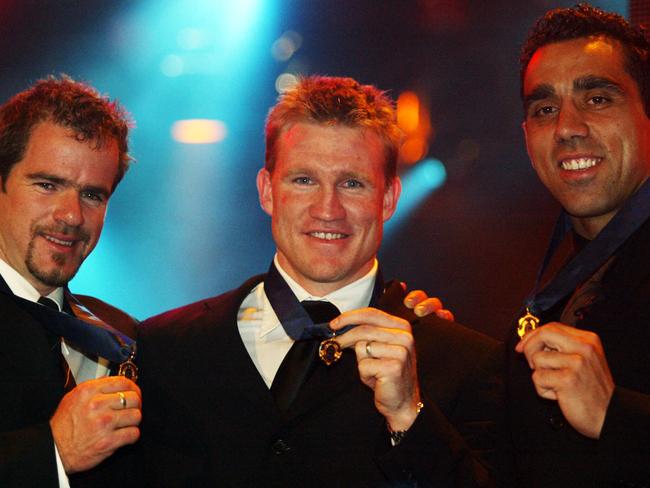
31	384
238	368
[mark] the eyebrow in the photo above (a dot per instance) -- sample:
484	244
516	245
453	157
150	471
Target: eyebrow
592	82
540	92
64	182
582	84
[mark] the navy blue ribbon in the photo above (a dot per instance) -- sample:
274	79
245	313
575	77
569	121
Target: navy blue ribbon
293	317
595	253
98	338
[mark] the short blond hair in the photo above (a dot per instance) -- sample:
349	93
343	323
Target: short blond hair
335	101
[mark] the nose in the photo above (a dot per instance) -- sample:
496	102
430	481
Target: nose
68	209
327	205
570	124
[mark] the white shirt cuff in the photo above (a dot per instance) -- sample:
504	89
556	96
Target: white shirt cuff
64	482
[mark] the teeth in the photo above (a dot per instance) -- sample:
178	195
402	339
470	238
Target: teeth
579	163
328	236
58	241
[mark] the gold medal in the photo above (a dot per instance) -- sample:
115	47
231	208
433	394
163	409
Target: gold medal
329	351
128	369
527	323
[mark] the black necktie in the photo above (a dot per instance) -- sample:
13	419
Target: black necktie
69	380
299	361
49	303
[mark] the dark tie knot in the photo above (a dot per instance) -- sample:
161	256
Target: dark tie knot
49	303
320	311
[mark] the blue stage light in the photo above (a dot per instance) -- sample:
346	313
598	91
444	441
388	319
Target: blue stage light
417	184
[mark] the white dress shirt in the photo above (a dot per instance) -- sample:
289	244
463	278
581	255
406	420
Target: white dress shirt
262	333
81	366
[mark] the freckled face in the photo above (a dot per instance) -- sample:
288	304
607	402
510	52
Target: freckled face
328	200
53	205
587	134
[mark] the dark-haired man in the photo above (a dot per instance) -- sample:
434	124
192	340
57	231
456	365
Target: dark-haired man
63	150
249	389
580	381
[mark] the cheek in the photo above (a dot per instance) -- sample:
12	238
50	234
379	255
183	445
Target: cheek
94	222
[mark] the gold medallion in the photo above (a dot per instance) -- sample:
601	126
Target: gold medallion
527	323
128	369
329	351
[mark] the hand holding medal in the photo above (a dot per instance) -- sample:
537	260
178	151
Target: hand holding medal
569	366
386	360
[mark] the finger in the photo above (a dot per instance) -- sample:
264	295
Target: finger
369	316
130	417
414	298
380	350
389	373
365	333
124	399
444	314
113	384
547	394
554	360
552	336
124	436
427	307
548	382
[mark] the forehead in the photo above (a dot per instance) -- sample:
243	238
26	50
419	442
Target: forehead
563	62
55	149
330	146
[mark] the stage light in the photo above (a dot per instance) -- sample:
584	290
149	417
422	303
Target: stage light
414	120
285	82
418	183
286	45
413	149
172	66
408	112
198	131
192	38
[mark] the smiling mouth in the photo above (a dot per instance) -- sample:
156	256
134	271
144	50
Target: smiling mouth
328	236
576	164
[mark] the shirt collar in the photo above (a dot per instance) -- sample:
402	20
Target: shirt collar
22	288
350	297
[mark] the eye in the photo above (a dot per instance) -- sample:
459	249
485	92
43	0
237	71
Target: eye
303	180
92	196
45	185
352	183
544	111
598	100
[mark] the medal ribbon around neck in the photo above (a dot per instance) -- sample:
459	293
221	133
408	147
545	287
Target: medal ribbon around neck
296	321
627	220
90	333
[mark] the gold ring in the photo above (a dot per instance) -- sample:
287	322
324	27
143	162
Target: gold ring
122	399
369	349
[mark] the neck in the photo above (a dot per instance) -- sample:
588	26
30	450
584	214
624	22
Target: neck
322	288
589	228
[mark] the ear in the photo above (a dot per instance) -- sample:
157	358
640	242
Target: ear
265	190
391	196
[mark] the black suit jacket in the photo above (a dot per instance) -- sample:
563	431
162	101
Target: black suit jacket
551	453
209	418
31	386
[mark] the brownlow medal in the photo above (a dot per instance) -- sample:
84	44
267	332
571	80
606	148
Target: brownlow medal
329	351
527	322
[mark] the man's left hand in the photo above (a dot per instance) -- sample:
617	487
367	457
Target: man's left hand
386	360
569	366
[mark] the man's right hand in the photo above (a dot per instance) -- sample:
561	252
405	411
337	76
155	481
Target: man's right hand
91	422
